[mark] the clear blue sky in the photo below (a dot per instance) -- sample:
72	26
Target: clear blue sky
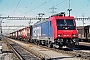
33	7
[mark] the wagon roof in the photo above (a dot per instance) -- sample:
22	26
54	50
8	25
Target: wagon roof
87	27
80	27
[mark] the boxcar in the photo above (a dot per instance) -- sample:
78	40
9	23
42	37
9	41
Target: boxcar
84	33
20	34
16	34
80	32
29	33
13	35
26	33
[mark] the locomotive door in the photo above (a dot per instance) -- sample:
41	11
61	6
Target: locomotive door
38	32
50	30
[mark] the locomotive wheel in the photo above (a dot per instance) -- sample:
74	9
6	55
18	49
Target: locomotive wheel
38	42
50	45
60	46
35	41
77	43
71	45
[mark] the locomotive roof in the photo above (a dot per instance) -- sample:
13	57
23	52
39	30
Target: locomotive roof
88	25
42	21
83	27
12	32
39	22
80	27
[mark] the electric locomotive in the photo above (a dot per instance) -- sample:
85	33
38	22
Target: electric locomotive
58	30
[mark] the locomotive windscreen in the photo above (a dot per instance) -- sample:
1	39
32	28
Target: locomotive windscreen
65	24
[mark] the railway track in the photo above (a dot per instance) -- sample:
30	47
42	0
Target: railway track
75	53
20	52
78	51
24	55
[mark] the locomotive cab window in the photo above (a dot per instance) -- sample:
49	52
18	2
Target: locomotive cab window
67	24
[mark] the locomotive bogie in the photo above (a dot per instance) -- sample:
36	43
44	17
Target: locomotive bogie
66	42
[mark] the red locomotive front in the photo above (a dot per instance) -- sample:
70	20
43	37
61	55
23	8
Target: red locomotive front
64	30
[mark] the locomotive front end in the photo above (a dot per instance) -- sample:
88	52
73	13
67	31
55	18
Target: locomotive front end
66	28
65	32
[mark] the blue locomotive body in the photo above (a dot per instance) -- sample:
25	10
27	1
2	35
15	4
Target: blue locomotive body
42	31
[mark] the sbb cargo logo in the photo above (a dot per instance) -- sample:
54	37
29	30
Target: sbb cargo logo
37	31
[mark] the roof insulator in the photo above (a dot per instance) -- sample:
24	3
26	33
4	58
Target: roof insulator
59	14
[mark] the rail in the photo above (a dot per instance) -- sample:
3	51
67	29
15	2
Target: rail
20	52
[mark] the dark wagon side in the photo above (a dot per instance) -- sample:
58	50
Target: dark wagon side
84	33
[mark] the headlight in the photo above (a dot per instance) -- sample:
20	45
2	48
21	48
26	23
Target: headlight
59	35
74	35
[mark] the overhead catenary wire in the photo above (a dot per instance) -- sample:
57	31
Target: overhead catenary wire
56	5
30	3
38	6
17	6
60	3
81	8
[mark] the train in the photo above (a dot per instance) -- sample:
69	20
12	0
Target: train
84	33
58	30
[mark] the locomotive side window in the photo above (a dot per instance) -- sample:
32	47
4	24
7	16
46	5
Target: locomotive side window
50	23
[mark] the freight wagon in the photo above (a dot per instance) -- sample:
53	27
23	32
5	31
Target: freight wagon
22	34
10	35
26	33
13	35
84	33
